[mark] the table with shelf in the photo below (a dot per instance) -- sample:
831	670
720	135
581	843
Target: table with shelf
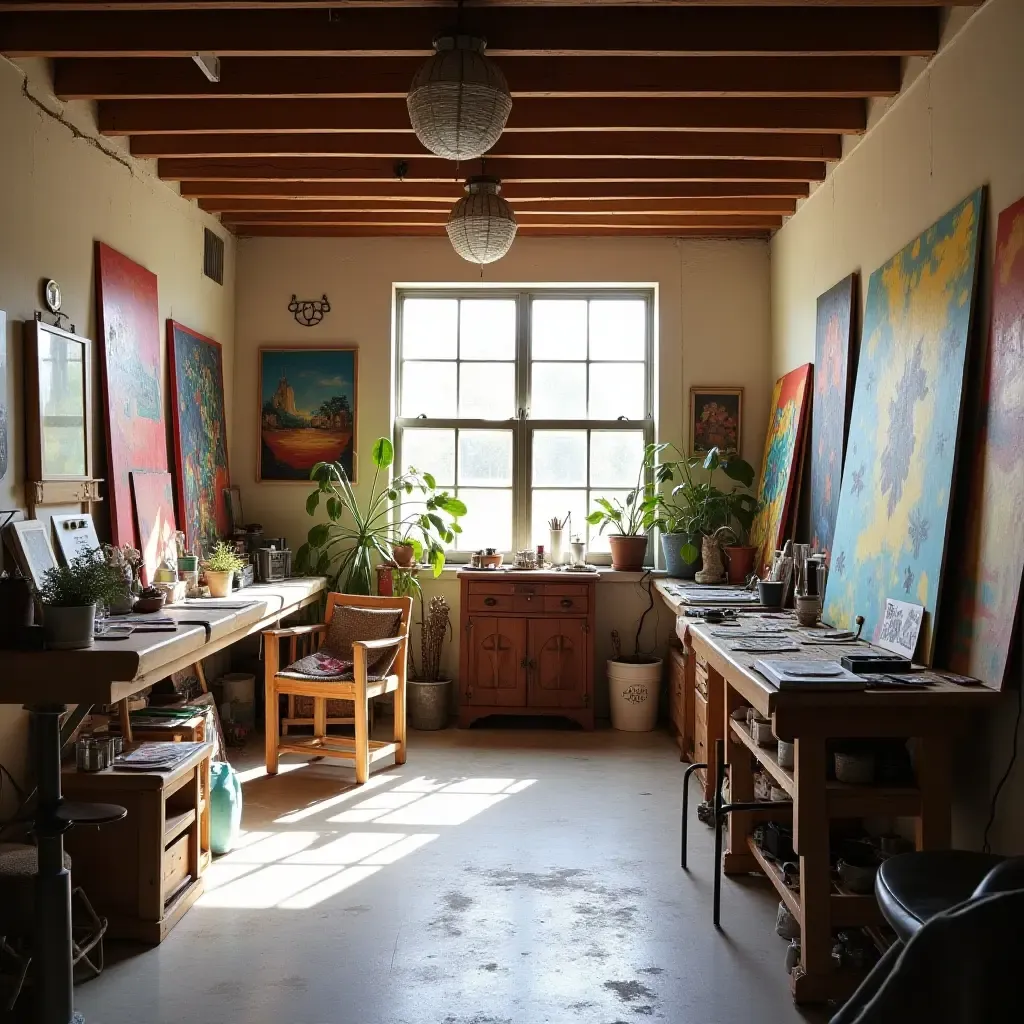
809	719
46	682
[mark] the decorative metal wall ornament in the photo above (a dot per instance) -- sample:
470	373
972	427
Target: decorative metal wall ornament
459	101
309	312
482	226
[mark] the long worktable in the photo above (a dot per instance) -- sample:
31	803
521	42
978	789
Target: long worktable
809	719
46	682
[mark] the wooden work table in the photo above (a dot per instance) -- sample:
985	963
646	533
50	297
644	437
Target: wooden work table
930	716
110	671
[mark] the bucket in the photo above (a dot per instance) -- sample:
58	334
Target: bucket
633	689
238	689
427	703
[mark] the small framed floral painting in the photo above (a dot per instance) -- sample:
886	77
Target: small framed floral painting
715	419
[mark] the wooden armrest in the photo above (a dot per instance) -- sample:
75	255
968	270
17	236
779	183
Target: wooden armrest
296	630
380	645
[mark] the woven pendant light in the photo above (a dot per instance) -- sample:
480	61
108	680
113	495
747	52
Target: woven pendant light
459	100
481	226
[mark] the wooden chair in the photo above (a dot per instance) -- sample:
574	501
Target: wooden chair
358	688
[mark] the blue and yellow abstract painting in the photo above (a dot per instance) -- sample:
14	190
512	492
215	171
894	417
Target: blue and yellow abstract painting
890	537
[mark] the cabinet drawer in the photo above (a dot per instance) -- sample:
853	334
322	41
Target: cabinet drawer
566	604
524	603
175	865
565	590
491	602
700	715
491	588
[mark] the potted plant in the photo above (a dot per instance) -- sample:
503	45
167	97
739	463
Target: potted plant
345	546
428	693
69	596
220	567
630	520
741	507
697	508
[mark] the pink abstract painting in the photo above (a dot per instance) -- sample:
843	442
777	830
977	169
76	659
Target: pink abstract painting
154	518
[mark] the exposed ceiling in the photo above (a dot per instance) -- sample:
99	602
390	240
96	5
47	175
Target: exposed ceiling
666	117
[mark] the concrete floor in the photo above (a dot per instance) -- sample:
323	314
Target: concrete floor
499	877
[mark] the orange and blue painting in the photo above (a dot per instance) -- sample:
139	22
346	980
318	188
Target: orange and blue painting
833	376
890	538
200	437
780	468
988	582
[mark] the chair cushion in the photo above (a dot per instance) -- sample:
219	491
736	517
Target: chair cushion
333	662
913	887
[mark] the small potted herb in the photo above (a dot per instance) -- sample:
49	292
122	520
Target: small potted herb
630	520
220	567
70	594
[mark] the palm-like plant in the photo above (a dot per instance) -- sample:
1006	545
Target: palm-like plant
344	547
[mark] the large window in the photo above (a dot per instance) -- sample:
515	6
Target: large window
529	404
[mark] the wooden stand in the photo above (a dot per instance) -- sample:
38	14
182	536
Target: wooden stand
144	872
527	645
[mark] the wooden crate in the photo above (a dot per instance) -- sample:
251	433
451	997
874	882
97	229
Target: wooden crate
143	873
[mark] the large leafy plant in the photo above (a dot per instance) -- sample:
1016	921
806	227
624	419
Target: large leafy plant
344	548
634	516
696	505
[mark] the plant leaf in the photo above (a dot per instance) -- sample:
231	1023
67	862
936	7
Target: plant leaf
428	479
382	453
318	535
323	564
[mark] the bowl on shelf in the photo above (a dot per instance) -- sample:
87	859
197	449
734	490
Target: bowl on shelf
490	561
150	600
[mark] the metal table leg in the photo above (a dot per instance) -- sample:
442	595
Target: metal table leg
686	808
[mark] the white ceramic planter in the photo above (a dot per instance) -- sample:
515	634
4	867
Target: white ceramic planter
633	689
68	629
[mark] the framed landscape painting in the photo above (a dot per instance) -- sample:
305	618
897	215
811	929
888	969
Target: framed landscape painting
200	437
715	419
307	411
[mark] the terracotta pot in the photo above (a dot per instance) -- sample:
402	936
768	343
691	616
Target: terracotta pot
741	562
628	552
219	583
403	555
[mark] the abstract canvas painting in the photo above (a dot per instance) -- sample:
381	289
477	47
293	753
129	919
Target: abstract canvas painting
129	323
890	537
833	377
715	419
200	437
154	519
987	582
781	466
307	411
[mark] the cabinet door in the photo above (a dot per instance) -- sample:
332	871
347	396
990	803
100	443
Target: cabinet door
497	655
557	663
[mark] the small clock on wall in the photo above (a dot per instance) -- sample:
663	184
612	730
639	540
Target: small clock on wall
51	295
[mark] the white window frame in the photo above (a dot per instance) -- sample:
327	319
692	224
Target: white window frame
522	425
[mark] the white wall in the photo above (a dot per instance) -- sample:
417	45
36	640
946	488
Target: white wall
58	193
960	124
712	329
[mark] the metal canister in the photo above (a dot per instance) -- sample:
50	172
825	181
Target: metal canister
91	754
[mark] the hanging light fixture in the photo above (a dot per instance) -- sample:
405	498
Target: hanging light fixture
459	100
481	226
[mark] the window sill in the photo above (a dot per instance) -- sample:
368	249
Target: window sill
606	574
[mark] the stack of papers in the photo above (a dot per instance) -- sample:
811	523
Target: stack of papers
156	757
809	675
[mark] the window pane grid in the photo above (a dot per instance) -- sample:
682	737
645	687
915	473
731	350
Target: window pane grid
607	330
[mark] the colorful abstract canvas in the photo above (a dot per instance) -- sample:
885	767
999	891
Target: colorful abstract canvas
200	437
987	582
307	411
129	323
890	538
715	419
154	519
781	466
833	377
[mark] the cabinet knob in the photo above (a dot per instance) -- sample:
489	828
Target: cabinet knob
566	602
490	600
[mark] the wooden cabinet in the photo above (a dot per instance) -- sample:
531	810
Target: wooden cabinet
527	645
708	716
680	699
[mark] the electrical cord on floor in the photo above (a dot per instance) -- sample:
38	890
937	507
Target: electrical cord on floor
649	590
986	847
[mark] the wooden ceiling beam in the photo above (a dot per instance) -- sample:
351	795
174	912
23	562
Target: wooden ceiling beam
527	231
621	207
373	77
632	145
510	31
517	192
363	169
542	220
227	5
562	114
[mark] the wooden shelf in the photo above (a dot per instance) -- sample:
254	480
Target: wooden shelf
844	800
774	874
764	755
853	910
177	823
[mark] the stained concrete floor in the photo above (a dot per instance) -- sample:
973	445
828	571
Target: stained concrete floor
499	877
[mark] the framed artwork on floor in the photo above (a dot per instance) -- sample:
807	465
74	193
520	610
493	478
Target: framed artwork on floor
990	563
830	411
129	324
892	525
200	437
716	419
154	519
308	410
781	465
